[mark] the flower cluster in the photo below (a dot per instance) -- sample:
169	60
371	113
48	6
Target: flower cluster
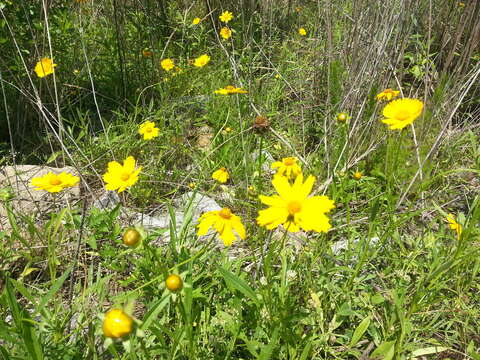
230	90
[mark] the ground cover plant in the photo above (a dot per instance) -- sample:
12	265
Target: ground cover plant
339	139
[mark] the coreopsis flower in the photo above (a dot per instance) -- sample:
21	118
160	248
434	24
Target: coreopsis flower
167	64
196	21
117	324
226	16
54	183
173	282
221	175
202	60
225	33
287	167
342	117
388	94
120	177
357	175
454	225
302	31
44	67
148	130
230	90
132	237
224	222
293	208
402	112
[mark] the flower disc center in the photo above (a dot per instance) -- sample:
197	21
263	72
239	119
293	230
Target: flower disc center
289	161
294	207
402	115
55	181
225	213
125	176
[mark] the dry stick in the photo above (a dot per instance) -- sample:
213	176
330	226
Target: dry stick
440	135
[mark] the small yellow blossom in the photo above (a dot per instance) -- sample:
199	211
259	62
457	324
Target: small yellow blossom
229	90
278	76
120	177
228	129
302	31
224	222
388	94
402	112
293	208
342	117
148	130
461	4
357	175
44	67
298	9
196	21
192	185
225	33
167	64
287	167
221	175
454	225
76	71
54	183
201	61
117	324
226	16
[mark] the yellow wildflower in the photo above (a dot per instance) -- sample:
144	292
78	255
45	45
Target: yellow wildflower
54	183
120	177
287	167
388	94
224	222
342	117
167	64
225	32
229	90
192	185
117	324
173	282
221	175
293	208
454	225
148	130
44	67
226	16
357	175
302	31
402	112
196	21
201	61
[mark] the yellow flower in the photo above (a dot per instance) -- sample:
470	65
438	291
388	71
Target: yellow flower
192	185
226	16
148	130
54	183
388	94
302	31
224	222
44	67
461	4
225	32
221	175
402	112
454	225
117	324
120	177
287	167
196	21
201	61
293	208
228	129
342	117
229	90
357	175
167	64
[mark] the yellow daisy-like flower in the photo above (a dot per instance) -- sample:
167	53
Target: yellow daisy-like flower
302	31
357	175
44	67
148	130
293	208
225	33
342	117
202	60
402	112
229	90
120	177
454	225
117	324
224	222
54	183
287	167
388	94
167	64
226	16
196	21
221	175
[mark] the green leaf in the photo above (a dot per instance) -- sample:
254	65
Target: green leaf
53	290
152	314
267	350
359	331
239	284
384	351
428	350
